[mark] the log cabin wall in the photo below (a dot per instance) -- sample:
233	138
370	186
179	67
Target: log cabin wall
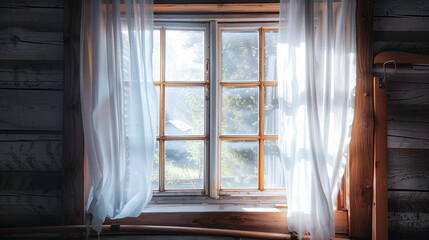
31	93
404	26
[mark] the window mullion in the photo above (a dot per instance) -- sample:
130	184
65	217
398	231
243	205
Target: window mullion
162	113
261	111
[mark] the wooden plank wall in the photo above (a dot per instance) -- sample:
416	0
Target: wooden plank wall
404	26
31	93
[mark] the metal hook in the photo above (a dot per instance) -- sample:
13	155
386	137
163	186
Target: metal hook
382	81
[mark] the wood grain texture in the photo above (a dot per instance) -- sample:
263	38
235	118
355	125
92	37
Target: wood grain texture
408	169
13	15
26	220
360	164
30	156
31	75
408	215
21	44
401	8
393	45
379	207
408	126
73	152
408	88
46	184
405	23
30	198
30	110
253	221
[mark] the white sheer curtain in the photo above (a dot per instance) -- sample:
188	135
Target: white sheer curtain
118	106
317	78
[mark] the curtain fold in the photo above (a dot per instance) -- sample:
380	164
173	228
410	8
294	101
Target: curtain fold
118	106
317	78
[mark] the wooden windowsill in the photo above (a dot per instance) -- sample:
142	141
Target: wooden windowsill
253	217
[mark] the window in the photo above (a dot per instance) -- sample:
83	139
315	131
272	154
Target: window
217	89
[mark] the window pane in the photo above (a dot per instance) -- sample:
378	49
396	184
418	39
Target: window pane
239	160
240	56
273	168
271	110
240	110
270	58
184	110
184	164
184	57
156	55
155	169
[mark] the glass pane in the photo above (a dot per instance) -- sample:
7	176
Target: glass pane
240	56
156	56
273	168
155	169
270	58
240	110
184	164
271	110
184	56
184	110
239	160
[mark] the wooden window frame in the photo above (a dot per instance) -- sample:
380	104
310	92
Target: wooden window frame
359	177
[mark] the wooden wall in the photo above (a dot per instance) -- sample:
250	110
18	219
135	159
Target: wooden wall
404	26
31	89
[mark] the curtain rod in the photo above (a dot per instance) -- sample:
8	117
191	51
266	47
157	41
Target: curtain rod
116	228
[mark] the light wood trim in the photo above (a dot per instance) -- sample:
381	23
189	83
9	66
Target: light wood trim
162	112
360	164
73	195
217	8
182	137
379	208
183	84
245	137
401	58
261	111
240	84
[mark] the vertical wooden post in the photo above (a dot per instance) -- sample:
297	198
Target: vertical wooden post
360	165
379	208
73	145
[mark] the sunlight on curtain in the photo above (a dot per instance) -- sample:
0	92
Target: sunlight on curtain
317	78
118	106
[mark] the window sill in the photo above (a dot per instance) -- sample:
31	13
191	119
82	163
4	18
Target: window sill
211	207
250	217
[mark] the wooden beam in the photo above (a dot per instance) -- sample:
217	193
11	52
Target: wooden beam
360	164
73	151
379	208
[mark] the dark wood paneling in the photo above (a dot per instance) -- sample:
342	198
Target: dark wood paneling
26	220
14	15
31	75
73	152
21	44
408	126
405	23
408	215
401	8
408	88
47	184
408	169
393	45
30	110
32	155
